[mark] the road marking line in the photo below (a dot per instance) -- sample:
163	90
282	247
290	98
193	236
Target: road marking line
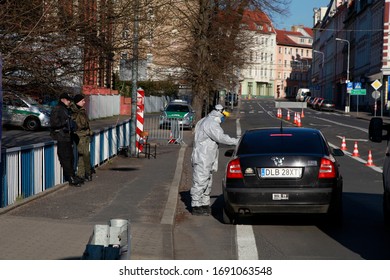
346	125
238	124
246	243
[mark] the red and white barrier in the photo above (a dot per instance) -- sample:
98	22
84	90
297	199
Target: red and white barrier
140	120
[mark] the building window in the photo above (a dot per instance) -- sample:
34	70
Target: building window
280	49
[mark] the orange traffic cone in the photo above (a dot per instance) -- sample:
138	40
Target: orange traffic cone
343	145
355	150
299	124
295	118
370	162
302	114
288	115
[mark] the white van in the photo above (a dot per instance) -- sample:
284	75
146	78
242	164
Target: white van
302	94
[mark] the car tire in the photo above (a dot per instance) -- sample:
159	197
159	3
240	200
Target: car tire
227	218
375	129
335	212
386	209
32	124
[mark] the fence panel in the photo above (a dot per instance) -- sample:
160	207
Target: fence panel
32	169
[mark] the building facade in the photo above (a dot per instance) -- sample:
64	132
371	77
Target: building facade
293	60
258	74
354	45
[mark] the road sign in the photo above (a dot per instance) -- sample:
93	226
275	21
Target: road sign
376	84
358	92
349	86
357	85
376	94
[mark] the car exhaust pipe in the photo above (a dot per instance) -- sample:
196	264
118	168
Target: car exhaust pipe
244	211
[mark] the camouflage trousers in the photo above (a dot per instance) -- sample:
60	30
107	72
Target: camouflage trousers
84	158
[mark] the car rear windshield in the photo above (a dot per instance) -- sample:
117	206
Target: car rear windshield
266	142
177	108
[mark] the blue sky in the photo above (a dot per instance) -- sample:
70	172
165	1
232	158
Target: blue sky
301	12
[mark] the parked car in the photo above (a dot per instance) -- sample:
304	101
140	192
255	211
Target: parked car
325	105
178	110
376	134
270	171
22	110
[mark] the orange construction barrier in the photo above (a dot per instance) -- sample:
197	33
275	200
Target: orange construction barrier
355	152
343	145
370	162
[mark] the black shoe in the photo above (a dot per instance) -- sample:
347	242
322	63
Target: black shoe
88	177
80	180
199	211
206	209
74	182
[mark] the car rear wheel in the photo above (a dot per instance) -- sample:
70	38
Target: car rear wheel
335	213
32	123
386	209
227	217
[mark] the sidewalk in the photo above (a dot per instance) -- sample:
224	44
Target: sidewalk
58	224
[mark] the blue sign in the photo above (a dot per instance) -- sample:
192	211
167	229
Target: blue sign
349	85
358	85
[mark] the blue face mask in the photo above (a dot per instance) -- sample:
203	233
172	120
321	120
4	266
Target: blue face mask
222	119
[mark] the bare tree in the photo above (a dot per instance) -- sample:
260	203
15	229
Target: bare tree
54	44
212	43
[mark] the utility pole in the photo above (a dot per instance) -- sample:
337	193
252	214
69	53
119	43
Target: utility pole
134	79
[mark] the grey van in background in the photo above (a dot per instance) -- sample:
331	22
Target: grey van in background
24	111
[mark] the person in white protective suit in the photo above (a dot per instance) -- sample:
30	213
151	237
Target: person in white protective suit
208	135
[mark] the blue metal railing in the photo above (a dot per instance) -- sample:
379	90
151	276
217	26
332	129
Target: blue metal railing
29	170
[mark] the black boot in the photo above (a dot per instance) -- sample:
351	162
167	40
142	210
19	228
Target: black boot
80	180
74	182
88	177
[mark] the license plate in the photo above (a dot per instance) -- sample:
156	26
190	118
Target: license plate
280	196
281	172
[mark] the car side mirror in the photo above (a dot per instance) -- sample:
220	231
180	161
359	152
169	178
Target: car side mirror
375	130
229	153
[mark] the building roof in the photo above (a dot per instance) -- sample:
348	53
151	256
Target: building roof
292	38
256	20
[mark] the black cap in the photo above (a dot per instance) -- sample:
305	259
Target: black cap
65	96
78	98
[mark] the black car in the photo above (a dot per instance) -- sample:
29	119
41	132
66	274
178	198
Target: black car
272	171
376	134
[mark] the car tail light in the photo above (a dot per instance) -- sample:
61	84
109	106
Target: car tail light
327	169
234	170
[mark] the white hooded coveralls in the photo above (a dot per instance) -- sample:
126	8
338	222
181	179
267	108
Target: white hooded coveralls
208	135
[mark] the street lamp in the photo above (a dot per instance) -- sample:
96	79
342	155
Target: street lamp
323	56
349	94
